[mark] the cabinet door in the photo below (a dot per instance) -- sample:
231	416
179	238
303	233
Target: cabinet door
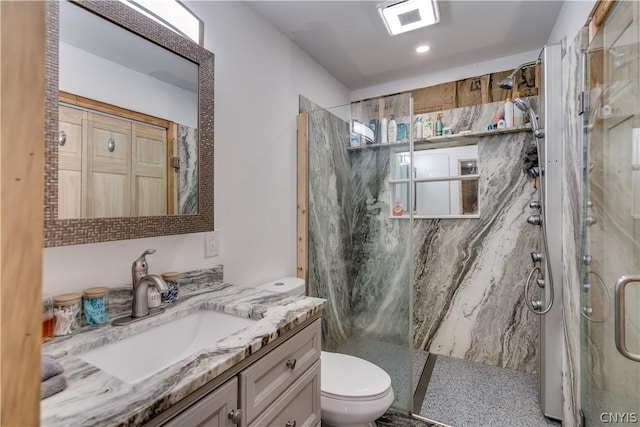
109	166
269	377
212	410
149	173
299	406
70	163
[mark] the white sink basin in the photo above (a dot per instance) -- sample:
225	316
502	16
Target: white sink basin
142	355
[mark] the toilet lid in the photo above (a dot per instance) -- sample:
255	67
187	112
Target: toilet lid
348	376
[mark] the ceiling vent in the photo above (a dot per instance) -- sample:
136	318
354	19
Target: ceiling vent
402	16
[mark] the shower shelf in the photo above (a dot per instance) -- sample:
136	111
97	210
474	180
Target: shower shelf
448	140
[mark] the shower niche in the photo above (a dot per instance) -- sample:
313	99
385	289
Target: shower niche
445	182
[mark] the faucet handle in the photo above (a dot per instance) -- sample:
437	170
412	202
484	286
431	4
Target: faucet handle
140	265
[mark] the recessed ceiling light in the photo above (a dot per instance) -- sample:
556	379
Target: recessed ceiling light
406	15
423	48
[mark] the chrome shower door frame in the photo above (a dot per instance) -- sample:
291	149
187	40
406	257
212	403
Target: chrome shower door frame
551	324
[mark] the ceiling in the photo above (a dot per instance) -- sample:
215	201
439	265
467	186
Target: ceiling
349	39
97	36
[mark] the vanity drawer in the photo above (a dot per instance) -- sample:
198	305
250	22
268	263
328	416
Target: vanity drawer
299	406
210	411
269	377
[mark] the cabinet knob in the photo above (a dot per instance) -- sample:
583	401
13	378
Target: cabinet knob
235	415
111	145
290	424
291	363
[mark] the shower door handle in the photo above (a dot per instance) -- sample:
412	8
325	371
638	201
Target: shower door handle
620	316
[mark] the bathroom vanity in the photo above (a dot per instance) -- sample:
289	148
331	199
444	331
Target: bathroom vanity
265	373
280	388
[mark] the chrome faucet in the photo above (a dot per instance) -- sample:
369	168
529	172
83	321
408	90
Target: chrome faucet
140	280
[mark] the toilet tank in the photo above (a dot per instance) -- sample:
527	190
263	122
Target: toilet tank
289	285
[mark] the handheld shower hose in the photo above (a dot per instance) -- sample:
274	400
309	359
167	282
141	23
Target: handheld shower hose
537	133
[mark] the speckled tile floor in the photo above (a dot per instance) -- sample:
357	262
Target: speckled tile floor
462	393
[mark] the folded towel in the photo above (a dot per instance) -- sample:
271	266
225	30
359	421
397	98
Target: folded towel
50	368
52	386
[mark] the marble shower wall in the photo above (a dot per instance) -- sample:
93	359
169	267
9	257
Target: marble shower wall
469	273
468	285
188	173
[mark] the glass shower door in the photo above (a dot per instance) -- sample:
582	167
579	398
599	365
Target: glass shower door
610	344
360	253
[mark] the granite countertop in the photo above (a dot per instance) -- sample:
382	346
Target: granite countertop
93	397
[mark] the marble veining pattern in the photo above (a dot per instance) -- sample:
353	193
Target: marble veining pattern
329	236
571	231
467	274
94	397
188	173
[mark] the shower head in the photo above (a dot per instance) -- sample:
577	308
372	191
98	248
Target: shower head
525	107
522	105
507	82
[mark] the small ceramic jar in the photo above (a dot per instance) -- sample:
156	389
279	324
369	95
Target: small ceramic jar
96	305
67	310
171	278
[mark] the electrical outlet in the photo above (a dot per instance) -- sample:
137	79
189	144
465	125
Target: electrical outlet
211	244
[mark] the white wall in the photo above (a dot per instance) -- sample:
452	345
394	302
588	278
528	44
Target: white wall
572	17
259	74
431	79
94	77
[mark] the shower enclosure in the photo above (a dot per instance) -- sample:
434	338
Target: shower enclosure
387	222
610	223
360	250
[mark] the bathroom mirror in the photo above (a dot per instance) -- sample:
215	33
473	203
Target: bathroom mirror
445	182
106	54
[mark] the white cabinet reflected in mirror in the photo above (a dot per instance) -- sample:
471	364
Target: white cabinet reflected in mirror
445	183
128	122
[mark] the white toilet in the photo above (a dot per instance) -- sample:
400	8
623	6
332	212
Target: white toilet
354	392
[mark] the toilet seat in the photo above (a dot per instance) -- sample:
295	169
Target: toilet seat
350	378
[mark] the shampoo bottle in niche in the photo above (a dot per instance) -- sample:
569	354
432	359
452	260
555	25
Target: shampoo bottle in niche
384	138
508	113
518	114
392	130
427	128
439	125
501	123
419	134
